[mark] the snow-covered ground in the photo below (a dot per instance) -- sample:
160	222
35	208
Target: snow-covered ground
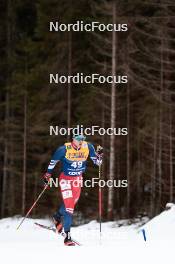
118	243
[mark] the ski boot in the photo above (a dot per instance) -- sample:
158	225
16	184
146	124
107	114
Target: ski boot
68	241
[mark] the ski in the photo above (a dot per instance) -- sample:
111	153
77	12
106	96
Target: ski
51	228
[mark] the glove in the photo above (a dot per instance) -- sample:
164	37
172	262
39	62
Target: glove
99	152
46	178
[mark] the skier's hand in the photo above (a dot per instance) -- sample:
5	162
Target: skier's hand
99	152
46	179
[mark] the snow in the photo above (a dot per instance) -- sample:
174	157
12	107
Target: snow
119	242
162	227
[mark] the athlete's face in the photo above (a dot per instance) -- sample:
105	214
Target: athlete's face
77	143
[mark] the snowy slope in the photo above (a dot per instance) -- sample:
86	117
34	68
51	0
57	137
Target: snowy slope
124	244
162	226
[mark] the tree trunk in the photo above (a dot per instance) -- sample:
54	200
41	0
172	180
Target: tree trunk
171	157
139	169
7	114
69	84
24	155
5	164
113	118
153	176
159	161
128	153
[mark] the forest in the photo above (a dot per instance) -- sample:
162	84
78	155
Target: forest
145	105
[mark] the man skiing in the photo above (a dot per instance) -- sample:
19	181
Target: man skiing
73	157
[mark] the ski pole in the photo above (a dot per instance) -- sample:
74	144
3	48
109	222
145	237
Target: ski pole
39	196
99	150
100	199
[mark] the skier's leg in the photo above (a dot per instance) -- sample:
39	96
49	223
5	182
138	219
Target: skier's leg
67	222
70	199
76	189
70	194
67	218
57	216
67	208
57	219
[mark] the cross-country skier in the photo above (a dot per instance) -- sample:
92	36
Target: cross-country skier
73	157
